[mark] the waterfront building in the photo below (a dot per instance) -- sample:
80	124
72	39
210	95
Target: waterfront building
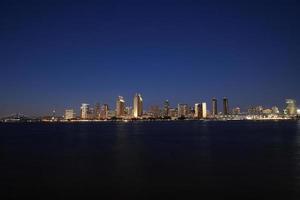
183	110
111	114
225	106
85	111
259	110
91	113
298	111
173	112
97	111
166	110
275	110
70	114
198	113
154	111
104	111
204	110
291	108
251	110
267	111
137	106
120	107
236	111
214	107
200	110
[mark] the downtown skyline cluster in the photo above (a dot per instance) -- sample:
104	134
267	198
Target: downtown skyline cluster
123	110
199	110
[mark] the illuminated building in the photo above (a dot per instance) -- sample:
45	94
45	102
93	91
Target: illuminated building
291	108
225	106
198	108
173	112
137	106
298	111
236	111
85	111
97	111
120	107
154	111
214	107
204	110
104	111
128	111
275	110
267	111
182	110
69	114
166	111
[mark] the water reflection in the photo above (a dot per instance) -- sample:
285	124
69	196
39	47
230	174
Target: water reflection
297	156
128	169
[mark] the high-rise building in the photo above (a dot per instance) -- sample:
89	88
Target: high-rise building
85	111
120	107
166	111
70	114
182	110
204	110
200	110
97	111
214	107
197	109
137	106
225	106
291	108
104	111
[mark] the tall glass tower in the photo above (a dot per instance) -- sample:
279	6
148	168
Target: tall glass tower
137	106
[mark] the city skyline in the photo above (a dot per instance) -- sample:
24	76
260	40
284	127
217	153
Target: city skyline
58	54
209	109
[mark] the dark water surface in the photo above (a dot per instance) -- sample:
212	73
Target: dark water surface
151	160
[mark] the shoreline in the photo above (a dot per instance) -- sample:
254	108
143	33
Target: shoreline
148	120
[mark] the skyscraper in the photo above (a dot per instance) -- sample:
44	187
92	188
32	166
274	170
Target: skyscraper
225	106
291	108
137	106
198	110
85	111
166	112
97	111
120	107
104	111
182	110
214	107
204	110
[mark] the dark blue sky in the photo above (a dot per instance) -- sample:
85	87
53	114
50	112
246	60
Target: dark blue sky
58	54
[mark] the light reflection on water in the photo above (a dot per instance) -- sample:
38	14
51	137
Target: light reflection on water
137	157
297	154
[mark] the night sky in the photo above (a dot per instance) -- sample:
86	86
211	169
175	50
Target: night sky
59	54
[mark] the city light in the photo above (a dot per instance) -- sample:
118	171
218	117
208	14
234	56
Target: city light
125	112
